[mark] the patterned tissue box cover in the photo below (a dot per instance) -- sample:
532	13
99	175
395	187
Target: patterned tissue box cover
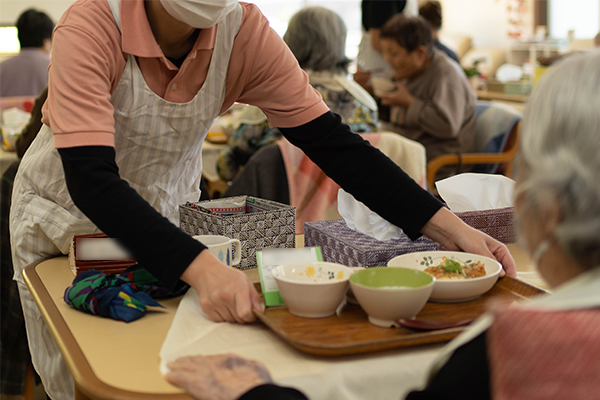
498	223
265	224
343	245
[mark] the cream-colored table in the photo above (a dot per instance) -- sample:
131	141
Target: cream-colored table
114	360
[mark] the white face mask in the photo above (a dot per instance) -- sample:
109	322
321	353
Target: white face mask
199	13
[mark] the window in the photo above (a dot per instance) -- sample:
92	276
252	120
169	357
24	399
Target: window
9	42
581	16
279	12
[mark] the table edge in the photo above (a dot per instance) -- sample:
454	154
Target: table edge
85	379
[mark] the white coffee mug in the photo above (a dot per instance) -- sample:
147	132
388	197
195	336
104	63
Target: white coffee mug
222	248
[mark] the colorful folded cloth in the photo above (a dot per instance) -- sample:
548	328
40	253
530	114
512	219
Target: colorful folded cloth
123	297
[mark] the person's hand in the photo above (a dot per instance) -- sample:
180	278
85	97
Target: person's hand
363	78
218	377
226	294
400	97
452	233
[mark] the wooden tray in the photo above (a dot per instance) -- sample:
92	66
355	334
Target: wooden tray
351	333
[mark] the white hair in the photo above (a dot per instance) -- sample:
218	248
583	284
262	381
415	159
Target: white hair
317	37
561	152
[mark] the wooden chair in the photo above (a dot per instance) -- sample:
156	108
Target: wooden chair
497	138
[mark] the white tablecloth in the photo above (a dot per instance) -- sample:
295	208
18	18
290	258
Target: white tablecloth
380	375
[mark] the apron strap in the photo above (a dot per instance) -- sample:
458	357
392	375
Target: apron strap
115	7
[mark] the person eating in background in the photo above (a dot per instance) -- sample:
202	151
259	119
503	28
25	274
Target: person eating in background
134	86
432	102
557	205
26	74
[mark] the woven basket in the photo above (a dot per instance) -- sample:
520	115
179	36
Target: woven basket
265	224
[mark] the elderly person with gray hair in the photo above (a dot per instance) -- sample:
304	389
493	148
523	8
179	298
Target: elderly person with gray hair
317	38
546	348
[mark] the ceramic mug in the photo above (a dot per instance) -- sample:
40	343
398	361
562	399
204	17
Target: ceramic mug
222	248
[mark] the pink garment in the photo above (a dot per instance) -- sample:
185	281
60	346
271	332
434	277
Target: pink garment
89	53
545	355
312	193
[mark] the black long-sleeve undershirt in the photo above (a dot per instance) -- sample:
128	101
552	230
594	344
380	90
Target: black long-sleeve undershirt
93	180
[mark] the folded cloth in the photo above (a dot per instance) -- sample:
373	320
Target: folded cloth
123	297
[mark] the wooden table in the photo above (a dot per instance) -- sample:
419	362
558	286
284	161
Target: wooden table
515	101
488	95
114	360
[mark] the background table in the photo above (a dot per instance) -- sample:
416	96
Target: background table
114	360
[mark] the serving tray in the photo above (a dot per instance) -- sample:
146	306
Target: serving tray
351	333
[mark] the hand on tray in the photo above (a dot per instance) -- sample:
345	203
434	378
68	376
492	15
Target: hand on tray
452	233
226	294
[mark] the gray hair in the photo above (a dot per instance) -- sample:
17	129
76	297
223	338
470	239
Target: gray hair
560	150
317	37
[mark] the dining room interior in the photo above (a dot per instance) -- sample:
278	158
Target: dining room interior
442	223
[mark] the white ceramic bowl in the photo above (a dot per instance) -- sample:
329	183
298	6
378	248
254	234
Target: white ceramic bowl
388	294
312	290
450	291
382	85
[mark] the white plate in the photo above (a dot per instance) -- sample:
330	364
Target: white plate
452	291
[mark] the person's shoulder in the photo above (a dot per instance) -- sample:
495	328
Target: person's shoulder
92	16
252	17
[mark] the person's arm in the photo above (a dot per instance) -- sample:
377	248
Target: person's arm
227	377
93	181
365	172
442	116
372	178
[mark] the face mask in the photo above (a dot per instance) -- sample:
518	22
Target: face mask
199	13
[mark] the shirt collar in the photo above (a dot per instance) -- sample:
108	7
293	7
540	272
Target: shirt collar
137	37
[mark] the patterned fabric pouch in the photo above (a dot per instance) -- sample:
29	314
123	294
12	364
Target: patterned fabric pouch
123	297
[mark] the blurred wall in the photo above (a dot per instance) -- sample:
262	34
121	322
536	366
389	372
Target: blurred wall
11	9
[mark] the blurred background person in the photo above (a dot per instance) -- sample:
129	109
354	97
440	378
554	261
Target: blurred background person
431	11
26	74
317	38
375	13
433	102
557	205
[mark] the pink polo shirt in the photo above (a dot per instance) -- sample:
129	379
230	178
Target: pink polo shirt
89	54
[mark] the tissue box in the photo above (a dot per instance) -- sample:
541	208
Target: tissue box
343	245
264	224
498	223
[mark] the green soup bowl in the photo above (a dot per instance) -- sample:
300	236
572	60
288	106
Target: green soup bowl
388	294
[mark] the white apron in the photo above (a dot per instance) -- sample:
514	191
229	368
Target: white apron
158	151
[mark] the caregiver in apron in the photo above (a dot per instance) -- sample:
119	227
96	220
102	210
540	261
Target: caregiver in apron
133	88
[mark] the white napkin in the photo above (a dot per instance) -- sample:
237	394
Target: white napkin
360	218
475	192
15	117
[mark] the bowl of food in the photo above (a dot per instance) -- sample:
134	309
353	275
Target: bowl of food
382	85
459	276
312	290
389	294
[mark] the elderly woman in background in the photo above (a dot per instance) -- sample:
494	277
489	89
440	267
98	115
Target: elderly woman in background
522	352
317	38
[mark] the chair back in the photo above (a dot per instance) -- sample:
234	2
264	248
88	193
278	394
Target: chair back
494	124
